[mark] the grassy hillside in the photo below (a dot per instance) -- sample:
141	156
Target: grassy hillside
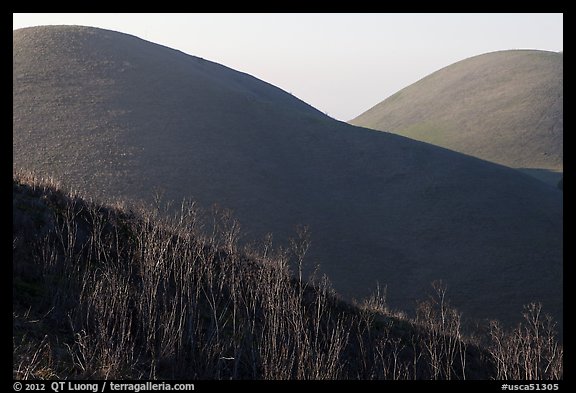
104	292
505	107
121	118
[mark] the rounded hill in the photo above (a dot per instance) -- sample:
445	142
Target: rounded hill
121	118
505	107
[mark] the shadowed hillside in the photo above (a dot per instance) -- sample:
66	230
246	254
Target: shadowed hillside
505	107
102	292
122	118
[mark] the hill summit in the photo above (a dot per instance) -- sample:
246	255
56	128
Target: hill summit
505	107
122	118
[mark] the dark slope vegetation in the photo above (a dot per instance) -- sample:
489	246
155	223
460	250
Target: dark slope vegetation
119	117
505	107
100	292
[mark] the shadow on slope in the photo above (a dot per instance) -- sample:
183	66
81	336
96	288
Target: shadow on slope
547	176
505	107
119	117
100	292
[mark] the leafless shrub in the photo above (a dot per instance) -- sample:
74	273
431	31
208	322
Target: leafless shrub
443	340
33	360
530	351
152	294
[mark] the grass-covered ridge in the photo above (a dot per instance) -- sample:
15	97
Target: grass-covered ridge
117	117
505	107
105	292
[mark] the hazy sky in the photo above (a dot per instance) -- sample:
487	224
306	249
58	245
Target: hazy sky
342	64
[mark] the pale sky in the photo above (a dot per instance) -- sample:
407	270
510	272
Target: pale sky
342	64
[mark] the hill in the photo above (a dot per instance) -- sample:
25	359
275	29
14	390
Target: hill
505	107
100	292
121	119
